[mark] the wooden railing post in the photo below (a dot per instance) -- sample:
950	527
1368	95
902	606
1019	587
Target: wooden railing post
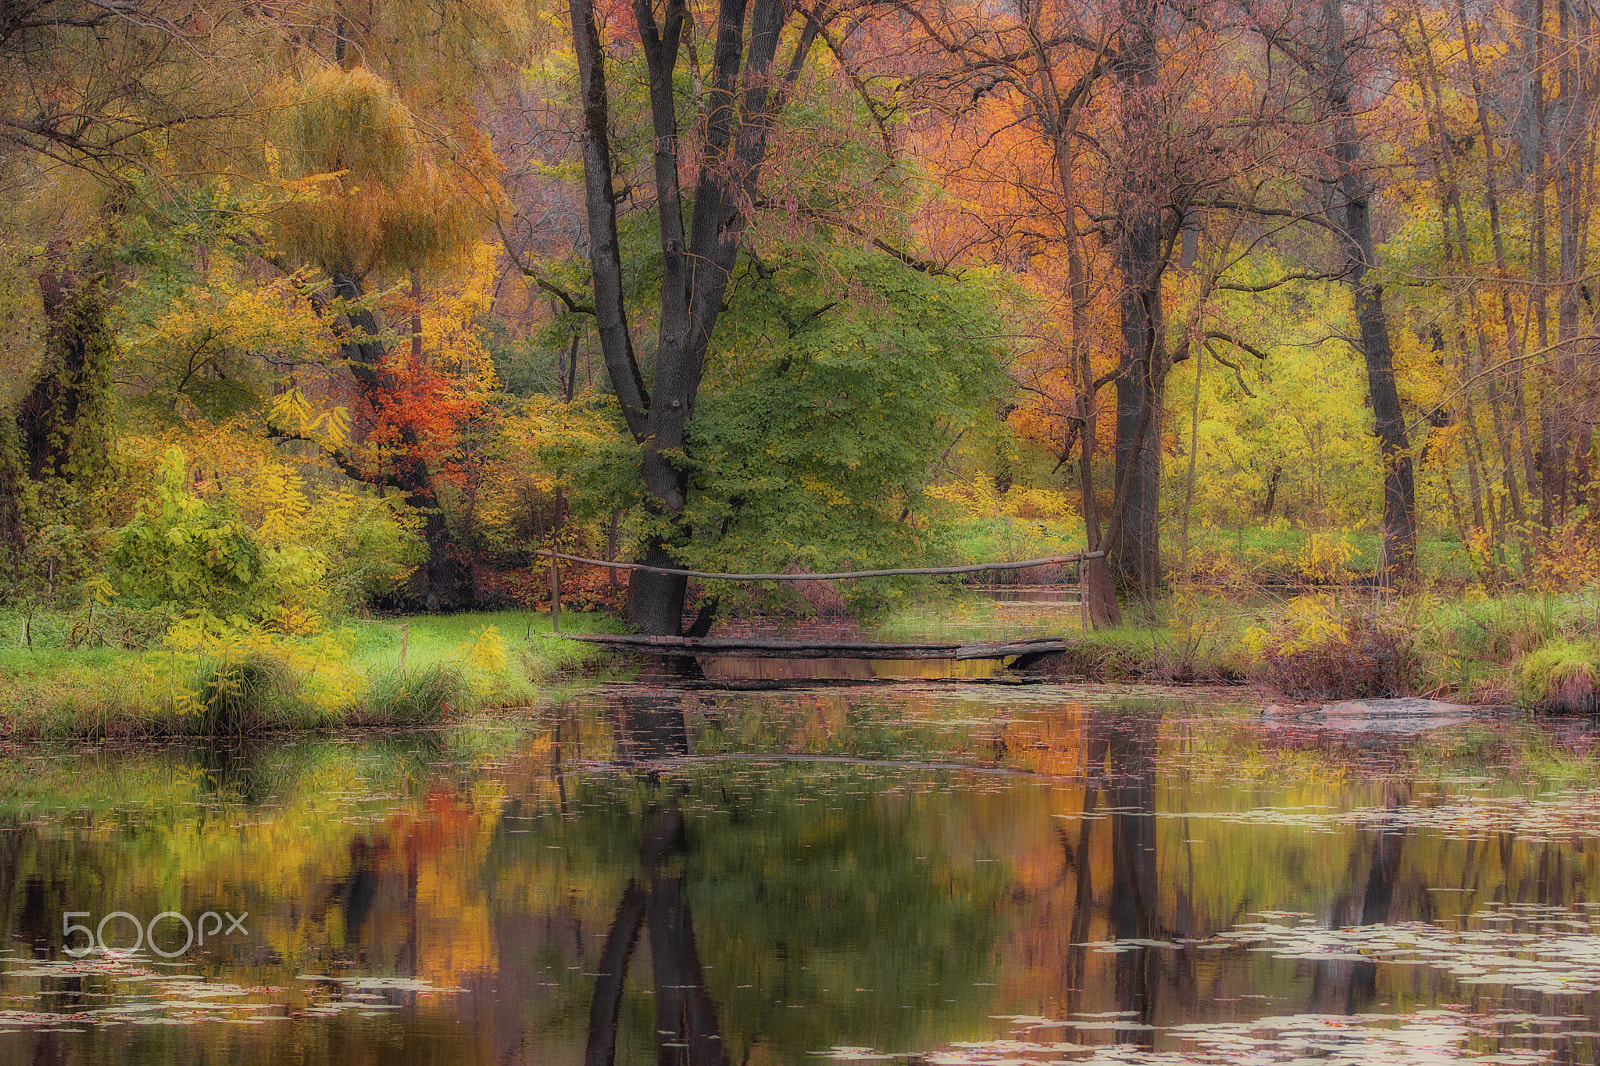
555	592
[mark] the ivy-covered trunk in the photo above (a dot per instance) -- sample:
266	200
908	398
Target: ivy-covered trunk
64	420
13	483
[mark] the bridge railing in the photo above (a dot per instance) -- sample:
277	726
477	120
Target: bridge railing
556	557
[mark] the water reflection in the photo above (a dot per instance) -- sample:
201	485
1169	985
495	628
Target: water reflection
650	728
697	877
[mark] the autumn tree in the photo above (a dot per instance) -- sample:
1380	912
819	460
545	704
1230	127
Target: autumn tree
375	202
1095	147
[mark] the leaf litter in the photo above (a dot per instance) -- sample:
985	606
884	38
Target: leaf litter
1556	951
143	996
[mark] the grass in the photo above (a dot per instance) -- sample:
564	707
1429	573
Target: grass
1541	651
412	696
1561	676
253	694
404	671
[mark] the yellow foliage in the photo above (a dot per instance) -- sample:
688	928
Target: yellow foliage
320	666
450	336
1311	621
291	411
485	654
1324	556
517	481
979	500
371	195
226	314
1191	620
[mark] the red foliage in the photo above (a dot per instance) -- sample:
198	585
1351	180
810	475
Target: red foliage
417	419
582	589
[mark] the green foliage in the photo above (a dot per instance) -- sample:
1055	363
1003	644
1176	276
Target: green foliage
839	377
369	544
183	553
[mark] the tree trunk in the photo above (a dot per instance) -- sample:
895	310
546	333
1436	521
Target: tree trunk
1099	589
655	601
1133	538
744	98
1136	556
64	419
1398	567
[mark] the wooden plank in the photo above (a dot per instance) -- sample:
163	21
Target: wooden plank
1032	646
779	648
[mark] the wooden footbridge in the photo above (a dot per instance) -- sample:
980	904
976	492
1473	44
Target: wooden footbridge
1023	651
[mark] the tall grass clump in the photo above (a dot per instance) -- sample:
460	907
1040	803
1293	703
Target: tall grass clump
254	693
1562	676
1497	630
421	696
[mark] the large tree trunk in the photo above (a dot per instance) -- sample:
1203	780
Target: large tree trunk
1136	557
744	99
1398	567
441	581
1133	537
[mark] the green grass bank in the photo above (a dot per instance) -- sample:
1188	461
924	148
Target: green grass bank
57	680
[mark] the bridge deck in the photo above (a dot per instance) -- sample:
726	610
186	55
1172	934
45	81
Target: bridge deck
779	648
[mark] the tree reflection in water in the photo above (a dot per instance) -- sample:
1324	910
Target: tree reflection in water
1122	765
687	1033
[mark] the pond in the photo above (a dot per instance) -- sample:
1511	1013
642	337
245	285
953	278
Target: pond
922	872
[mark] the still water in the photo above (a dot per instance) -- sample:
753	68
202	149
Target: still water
930	873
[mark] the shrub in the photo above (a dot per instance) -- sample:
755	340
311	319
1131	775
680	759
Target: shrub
1562	676
1318	654
184	553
